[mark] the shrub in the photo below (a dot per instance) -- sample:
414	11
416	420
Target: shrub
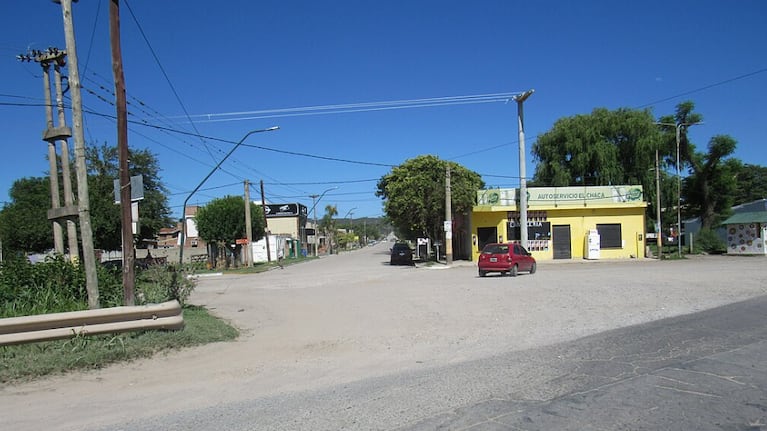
707	241
160	283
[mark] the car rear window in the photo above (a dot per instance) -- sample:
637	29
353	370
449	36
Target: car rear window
496	249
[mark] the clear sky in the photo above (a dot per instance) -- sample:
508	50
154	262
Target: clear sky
236	66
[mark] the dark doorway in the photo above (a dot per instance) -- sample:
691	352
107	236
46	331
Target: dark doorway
486	235
562	242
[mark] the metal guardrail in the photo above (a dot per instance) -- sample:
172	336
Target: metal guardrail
56	326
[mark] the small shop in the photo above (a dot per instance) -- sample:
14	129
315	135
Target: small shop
593	222
747	233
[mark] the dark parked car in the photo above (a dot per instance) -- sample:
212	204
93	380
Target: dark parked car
401	254
505	258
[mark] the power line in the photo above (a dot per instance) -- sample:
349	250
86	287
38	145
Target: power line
167	78
358	107
705	87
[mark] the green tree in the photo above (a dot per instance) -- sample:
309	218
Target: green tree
103	169
709	190
222	221
751	183
24	224
602	148
328	225
414	195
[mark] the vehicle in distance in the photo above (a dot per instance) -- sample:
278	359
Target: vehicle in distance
506	258
401	254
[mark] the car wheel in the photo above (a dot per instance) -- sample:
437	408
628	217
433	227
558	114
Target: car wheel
482	273
514	270
533	268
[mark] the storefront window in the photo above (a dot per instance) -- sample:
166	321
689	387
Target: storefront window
610	235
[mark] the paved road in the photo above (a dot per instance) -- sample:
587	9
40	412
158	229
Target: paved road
348	342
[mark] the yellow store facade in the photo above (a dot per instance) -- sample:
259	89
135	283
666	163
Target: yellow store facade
597	222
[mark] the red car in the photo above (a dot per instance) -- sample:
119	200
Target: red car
507	258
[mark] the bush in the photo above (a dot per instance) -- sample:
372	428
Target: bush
160	283
707	241
57	285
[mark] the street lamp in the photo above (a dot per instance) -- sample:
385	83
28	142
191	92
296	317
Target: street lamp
349	213
183	216
678	126
314	208
520	98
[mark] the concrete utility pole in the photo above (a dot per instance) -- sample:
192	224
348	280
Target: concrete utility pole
69	200
248	227
316	230
51	137
520	99
448	219
266	224
659	230
129	279
83	201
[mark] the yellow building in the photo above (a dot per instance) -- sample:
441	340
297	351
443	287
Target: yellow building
562	219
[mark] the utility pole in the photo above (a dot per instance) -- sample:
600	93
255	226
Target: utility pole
129	280
316	229
659	229
520	99
448	219
50	136
248	227
69	200
83	201
53	135
266	225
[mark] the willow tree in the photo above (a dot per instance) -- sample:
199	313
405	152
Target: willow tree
414	194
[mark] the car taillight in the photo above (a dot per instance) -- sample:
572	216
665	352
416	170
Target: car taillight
508	258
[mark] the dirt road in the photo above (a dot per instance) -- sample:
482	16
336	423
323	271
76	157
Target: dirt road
352	316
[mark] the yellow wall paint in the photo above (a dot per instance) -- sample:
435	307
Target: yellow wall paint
581	220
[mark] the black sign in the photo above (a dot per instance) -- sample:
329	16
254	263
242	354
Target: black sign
285	210
309	231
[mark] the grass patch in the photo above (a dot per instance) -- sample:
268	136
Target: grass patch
28	362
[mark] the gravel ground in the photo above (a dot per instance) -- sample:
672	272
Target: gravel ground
347	317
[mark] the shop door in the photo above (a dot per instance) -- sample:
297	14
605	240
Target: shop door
561	240
486	235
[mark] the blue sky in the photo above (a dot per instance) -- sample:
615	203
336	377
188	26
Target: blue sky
260	58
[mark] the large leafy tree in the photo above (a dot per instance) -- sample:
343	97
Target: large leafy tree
103	169
24	224
710	189
708	192
414	194
222	221
602	148
751	183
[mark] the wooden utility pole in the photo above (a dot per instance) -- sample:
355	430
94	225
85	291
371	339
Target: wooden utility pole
448	219
266	224
248	227
129	280
83	201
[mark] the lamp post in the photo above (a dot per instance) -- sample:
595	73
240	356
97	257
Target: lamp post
315	200
520	99
183	217
678	126
349	213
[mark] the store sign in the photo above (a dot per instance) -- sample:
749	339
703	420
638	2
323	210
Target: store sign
285	210
563	196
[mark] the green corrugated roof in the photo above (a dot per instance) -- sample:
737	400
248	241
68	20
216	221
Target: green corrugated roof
749	217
